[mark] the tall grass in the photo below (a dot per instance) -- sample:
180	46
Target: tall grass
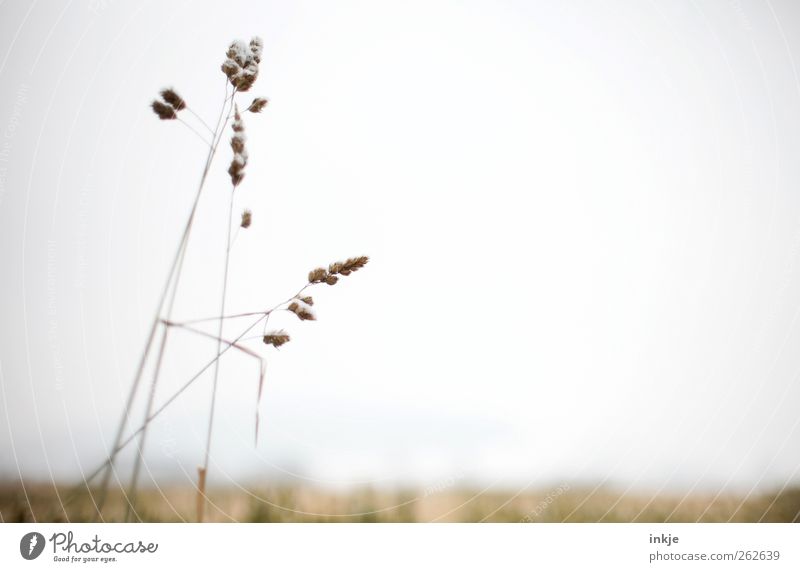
240	68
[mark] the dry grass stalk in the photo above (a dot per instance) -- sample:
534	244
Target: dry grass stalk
173	278
241	71
201	493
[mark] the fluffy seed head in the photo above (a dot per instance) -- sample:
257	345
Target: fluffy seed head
257	48
258	104
247	219
317	275
172	97
241	65
276	338
239	52
336	269
237	142
236	169
237	176
230	68
348	266
163	110
301	310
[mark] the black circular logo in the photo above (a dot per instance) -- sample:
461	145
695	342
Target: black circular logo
31	545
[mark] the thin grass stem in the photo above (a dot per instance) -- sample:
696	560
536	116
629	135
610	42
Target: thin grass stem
125	442
200	119
174	267
193	130
200	505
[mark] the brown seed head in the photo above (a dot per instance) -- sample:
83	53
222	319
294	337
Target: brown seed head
348	266
237	125
163	110
317	275
247	219
301	310
257	48
237	176
236	168
230	68
330	279
258	104
237	143
241	65
276	338
172	97
308	300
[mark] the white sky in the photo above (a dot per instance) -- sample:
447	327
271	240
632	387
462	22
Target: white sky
583	219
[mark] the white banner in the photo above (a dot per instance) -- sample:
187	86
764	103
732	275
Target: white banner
228	547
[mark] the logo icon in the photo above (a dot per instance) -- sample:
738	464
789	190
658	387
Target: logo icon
31	545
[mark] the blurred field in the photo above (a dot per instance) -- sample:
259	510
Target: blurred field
437	504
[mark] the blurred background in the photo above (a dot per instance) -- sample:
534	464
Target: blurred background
584	231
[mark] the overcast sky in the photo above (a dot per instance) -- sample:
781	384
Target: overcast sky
583	219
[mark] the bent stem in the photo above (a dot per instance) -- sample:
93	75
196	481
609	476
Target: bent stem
121	444
263	315
129	439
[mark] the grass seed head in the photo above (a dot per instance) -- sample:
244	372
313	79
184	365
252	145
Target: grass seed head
336	269
241	65
348	266
171	97
163	110
317	275
301	310
276	338
230	68
257	48
247	219
236	169
258	104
